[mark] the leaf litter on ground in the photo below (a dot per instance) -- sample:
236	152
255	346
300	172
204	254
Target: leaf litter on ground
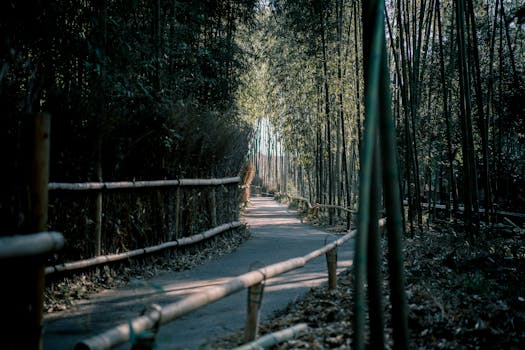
462	294
62	292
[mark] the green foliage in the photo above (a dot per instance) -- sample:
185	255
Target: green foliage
140	79
137	90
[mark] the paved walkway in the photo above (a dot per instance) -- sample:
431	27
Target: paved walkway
277	235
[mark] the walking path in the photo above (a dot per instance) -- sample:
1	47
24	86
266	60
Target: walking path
278	235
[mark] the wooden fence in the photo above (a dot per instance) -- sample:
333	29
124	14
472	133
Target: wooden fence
314	208
23	257
252	280
99	188
104	259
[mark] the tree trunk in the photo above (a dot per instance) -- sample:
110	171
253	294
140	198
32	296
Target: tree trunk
446	111
469	167
328	124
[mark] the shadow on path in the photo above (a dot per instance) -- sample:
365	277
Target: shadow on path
277	235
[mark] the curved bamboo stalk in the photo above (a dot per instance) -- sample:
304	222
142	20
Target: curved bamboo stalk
104	259
88	186
30	245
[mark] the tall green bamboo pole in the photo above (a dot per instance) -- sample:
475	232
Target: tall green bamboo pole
378	113
375	261
469	165
372	34
394	223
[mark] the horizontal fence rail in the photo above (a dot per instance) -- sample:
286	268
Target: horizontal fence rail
318	205
176	217
121	333
333	206
269	340
30	245
424	205
104	259
461	209
118	185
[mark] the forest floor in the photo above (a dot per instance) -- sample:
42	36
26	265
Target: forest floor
61	293
462	294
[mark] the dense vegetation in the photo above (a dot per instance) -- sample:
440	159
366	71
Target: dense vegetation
450	74
139	90
457	98
144	90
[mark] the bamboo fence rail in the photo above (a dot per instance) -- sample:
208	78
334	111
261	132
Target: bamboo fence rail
30	245
121	333
297	198
126	185
332	206
269	340
118	185
424	205
460	208
319	205
104	259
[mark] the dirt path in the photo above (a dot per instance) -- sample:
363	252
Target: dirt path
277	235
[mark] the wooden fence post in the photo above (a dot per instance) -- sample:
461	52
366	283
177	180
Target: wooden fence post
213	205
98	224
331	262
255	295
177	213
21	295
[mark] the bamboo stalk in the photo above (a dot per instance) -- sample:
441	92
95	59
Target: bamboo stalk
22	293
392	197
104	259
373	31
177	213
31	295
375	259
269	340
37	171
98	224
213	207
30	245
119	185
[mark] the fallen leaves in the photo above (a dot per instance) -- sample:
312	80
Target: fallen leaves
461	295
62	292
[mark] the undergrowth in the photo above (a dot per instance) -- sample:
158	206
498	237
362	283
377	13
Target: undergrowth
62	291
462	294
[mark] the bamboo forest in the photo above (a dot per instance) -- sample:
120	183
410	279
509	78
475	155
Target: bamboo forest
175	170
